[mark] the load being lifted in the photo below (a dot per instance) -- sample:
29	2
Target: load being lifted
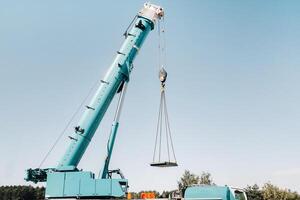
163	126
164	154
66	180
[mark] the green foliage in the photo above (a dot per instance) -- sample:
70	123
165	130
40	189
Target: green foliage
254	193
206	179
21	193
135	195
187	179
270	192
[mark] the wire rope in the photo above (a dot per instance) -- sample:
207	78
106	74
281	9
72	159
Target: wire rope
157	130
164	50
168	125
68	124
167	132
163	123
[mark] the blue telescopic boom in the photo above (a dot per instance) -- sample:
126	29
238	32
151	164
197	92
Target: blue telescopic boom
66	181
117	74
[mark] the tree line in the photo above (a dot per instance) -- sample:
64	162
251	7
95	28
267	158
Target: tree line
267	192
22	193
270	192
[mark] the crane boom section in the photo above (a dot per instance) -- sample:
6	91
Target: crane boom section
117	74
66	181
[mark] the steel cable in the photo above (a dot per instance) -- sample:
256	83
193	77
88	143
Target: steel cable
68	124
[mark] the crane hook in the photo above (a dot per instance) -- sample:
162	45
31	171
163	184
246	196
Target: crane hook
162	75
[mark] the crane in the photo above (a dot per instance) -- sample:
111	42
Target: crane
66	180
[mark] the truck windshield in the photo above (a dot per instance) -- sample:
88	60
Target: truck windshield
239	195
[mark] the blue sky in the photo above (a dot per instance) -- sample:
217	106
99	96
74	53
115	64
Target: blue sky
232	90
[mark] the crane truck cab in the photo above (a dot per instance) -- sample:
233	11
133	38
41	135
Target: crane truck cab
213	192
